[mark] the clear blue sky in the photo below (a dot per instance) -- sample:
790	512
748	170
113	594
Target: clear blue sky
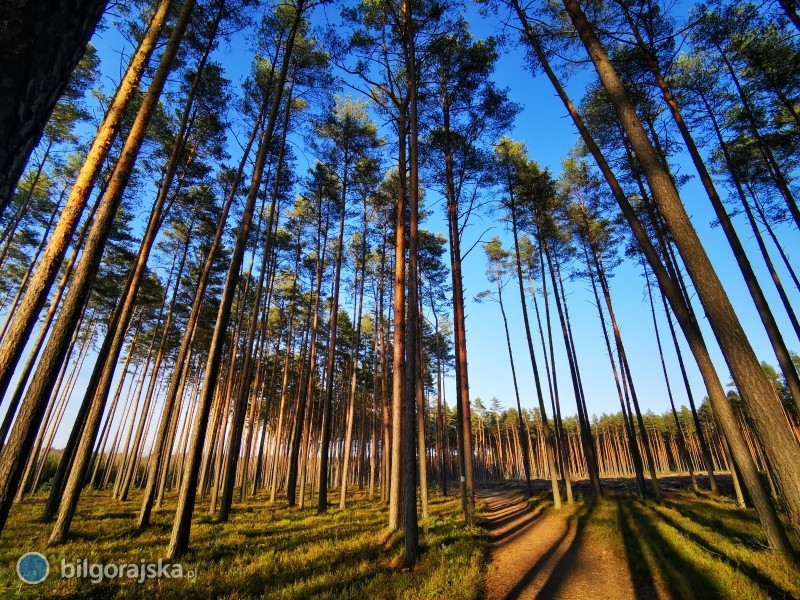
549	134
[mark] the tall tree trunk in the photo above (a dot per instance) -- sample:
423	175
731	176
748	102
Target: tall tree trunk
628	425
672	292
359	291
330	362
762	306
463	412
243	392
681	441
548	436
779	443
583	417
24	430
521	425
284	381
412	367
179	541
162	443
98	392
562	444
307	383
441	418
626	373
421	417
42	45
39	286
399	350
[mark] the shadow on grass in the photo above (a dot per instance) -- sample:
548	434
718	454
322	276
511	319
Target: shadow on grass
644	586
679	574
717	524
774	590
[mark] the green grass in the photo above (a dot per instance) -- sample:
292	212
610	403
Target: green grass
263	551
699	547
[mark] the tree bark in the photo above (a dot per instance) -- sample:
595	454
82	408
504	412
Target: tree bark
42	44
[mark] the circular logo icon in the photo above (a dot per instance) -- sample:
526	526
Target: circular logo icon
32	568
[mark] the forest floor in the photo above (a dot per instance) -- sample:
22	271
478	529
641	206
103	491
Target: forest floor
264	551
690	546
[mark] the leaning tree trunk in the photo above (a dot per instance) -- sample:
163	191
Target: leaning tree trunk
762	306
243	391
24	430
30	363
179	541
757	394
548	436
523	431
162	439
121	318
669	288
16	336
42	44
149	394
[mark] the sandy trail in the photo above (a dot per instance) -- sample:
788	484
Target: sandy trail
535	553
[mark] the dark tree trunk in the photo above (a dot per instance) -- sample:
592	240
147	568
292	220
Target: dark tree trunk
42	44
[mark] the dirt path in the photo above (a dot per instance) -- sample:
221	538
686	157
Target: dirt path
536	553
